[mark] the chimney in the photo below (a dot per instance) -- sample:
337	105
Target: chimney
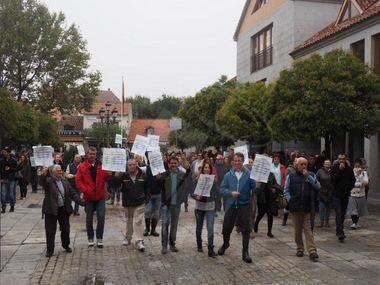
109	89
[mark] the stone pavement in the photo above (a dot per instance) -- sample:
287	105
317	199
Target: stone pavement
274	262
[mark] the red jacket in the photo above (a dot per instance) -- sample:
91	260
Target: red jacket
83	181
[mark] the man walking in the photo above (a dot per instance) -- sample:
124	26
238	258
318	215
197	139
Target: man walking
298	191
8	169
343	179
71	172
237	188
90	180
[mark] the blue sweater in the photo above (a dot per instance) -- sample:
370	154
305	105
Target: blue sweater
245	186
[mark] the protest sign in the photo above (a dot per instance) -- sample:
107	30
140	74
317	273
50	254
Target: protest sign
43	155
153	143
244	150
140	145
32	162
261	168
80	149
204	185
118	139
156	162
114	159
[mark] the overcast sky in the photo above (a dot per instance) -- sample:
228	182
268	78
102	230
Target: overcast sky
159	46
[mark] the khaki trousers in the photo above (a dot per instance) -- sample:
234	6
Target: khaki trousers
135	217
301	221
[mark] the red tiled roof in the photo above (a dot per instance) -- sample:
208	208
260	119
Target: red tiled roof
106	95
365	4
161	128
75	121
333	28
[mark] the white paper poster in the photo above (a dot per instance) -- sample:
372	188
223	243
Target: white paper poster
153	143
140	145
118	139
243	150
204	185
114	159
32	162
43	155
261	168
80	149
156	162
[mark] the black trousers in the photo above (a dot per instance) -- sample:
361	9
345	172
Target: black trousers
51	227
240	215
263	209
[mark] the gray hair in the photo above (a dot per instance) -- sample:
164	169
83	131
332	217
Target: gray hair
55	167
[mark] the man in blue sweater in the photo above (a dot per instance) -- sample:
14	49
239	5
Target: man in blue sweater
237	188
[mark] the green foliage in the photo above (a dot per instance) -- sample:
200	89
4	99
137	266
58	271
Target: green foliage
322	96
188	137
242	114
99	132
43	60
68	155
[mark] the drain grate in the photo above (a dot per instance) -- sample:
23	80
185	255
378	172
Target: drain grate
33	206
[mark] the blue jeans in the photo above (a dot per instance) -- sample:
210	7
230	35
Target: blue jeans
152	209
8	193
170	215
324	211
199	217
100	208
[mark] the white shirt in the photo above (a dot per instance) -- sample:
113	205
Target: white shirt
238	174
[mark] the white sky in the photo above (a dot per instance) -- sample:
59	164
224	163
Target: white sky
159	46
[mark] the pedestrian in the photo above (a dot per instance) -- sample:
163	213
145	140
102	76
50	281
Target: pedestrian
357	203
70	174
205	209
278	170
221	169
57	159
298	190
57	207
267	203
175	186
135	195
25	173
366	167
8	169
312	164
343	178
290	169
152	209
325	193
90	180
237	187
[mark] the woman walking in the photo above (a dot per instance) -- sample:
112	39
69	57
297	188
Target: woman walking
25	172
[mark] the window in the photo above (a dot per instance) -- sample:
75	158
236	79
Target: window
261	51
258	5
376	53
357	50
149	131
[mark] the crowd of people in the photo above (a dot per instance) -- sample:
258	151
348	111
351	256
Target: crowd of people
298	184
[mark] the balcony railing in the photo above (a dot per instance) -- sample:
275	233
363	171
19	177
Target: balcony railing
262	59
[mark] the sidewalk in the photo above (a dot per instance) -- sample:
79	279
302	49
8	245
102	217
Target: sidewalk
274	262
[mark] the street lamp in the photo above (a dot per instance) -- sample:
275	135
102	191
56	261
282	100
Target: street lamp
108	117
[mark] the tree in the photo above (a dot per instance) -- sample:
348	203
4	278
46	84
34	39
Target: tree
242	114
42	61
188	137
141	107
324	96
99	132
199	111
166	107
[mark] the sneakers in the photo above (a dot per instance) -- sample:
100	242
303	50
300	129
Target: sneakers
140	246
126	242
99	243
353	226
91	243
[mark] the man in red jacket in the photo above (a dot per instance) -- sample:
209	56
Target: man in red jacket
90	180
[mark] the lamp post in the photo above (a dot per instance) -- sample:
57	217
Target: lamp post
107	116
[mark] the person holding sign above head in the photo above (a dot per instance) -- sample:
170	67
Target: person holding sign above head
90	180
237	187
205	206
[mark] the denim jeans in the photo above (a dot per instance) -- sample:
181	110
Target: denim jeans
199	218
8	193
100	208
340	205
152	209
324	211
170	215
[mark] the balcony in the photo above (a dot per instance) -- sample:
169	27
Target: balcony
262	59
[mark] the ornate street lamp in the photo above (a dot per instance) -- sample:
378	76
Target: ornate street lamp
108	117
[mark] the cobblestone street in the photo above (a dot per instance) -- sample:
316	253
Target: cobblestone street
274	262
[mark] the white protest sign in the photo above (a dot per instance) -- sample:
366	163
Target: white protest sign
32	162
175	124
139	146
118	139
156	162
204	185
226	153
80	149
43	155
153	143
261	168
243	150
114	159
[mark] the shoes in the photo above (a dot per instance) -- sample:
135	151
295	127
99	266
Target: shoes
353	226
140	246
270	235
126	242
358	226
154	233
200	249
49	254
299	253
211	252
173	248
313	256
246	258
223	249
341	237
12	209
153	229
99	243
147	227
68	249
146	233
164	250
91	243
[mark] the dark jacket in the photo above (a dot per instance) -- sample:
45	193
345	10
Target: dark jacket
221	170
344	181
327	186
213	193
184	186
155	188
26	172
8	174
134	193
50	203
266	197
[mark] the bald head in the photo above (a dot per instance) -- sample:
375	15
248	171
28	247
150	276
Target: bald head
301	164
